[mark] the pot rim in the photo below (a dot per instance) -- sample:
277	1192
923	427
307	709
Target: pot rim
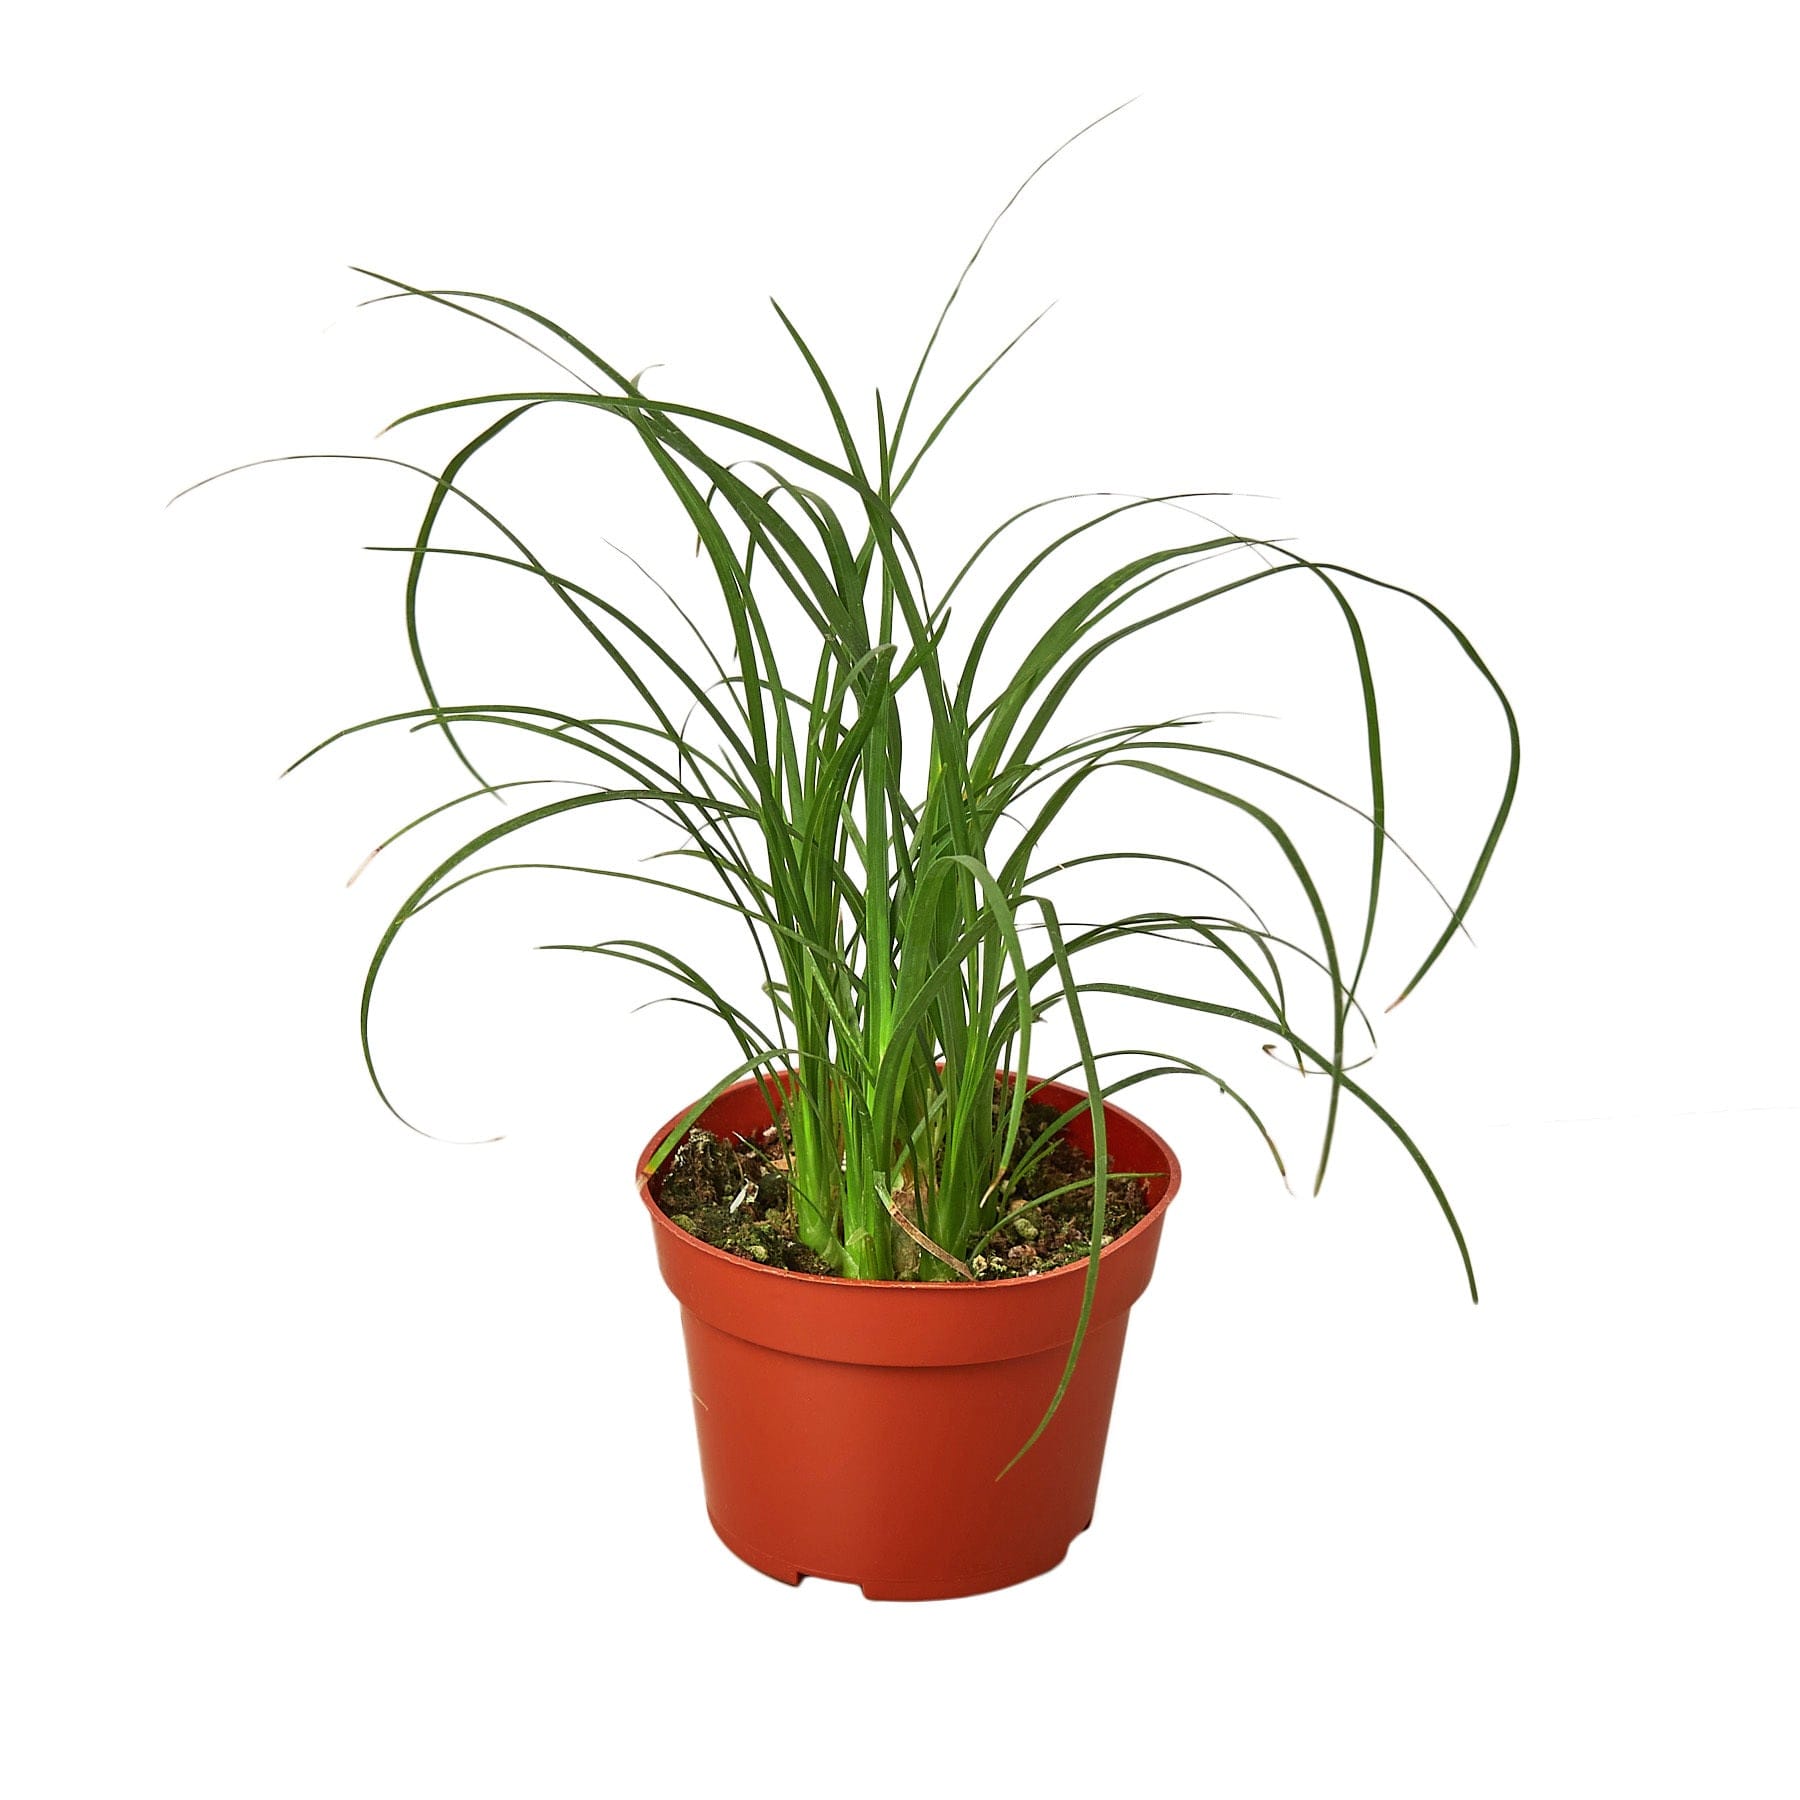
1171	1184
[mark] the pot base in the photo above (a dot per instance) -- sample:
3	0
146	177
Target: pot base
960	1589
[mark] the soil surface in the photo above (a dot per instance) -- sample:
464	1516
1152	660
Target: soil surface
733	1193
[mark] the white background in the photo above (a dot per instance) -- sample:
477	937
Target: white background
342	1461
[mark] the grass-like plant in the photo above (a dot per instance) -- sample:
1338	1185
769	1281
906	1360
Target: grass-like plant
905	931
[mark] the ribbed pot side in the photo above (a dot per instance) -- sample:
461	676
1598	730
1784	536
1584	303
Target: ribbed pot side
854	1429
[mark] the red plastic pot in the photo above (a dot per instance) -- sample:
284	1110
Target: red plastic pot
854	1429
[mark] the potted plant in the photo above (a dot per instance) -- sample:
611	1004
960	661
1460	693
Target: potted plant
905	1259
